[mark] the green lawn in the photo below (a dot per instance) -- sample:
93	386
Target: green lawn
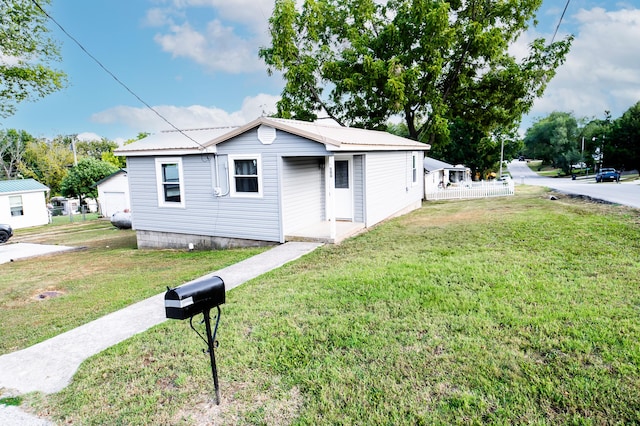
515	310
105	274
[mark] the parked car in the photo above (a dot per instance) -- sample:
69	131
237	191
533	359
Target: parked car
608	174
6	232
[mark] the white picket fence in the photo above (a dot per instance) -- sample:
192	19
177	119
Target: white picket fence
481	189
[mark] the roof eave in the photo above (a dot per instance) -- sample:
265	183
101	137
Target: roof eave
364	147
165	152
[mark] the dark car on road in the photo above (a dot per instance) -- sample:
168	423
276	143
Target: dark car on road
6	232
608	174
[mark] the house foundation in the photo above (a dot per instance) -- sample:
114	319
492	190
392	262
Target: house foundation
169	240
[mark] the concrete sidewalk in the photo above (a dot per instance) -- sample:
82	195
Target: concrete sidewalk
49	366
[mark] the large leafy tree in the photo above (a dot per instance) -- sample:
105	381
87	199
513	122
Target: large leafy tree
26	52
555	140
95	148
81	179
622	149
429	61
47	162
13	144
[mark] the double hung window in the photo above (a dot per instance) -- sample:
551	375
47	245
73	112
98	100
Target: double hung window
246	176
170	182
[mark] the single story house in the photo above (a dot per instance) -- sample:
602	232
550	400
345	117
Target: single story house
269	181
440	175
113	193
23	203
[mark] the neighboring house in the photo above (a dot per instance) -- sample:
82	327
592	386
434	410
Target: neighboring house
23	203
269	181
113	193
439	175
443	181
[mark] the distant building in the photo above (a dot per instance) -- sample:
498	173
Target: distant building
23	203
113	193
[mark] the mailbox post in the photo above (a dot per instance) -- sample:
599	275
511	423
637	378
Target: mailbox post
199	297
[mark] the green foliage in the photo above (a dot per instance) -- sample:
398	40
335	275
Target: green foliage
11	401
81	179
47	162
27	51
431	62
95	149
622	149
117	161
12	147
553	140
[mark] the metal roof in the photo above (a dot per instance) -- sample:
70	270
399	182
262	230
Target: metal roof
334	137
21	185
173	142
431	164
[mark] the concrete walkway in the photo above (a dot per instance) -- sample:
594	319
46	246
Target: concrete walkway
49	366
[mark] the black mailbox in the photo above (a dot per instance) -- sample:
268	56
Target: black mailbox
198	297
194	298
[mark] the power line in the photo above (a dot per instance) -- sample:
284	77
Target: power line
113	75
560	21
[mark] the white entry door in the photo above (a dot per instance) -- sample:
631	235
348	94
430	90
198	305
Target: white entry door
344	188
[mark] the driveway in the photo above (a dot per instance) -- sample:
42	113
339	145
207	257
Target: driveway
16	251
626	193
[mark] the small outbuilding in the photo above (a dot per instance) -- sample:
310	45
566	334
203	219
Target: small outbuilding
23	203
113	193
269	181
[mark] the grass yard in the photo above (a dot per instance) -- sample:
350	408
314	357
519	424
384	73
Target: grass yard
106	273
515	310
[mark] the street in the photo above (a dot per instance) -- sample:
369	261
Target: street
626	193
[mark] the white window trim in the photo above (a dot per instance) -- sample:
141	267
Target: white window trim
232	181
415	167
11	205
160	187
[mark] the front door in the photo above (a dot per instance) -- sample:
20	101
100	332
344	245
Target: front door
344	189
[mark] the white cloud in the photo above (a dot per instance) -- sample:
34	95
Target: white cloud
217	48
191	117
229	42
88	137
601	70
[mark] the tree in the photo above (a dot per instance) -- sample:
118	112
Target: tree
622	148
95	148
81	179
12	147
429	61
25	54
47	162
554	140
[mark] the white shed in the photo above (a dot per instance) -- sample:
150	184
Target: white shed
23	203
113	193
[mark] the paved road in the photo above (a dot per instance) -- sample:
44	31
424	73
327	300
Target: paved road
627	193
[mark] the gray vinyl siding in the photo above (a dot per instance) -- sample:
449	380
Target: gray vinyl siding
302	192
389	186
225	216
358	189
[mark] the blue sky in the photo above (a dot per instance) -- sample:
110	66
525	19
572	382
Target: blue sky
195	61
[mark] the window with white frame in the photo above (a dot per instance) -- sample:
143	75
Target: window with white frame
414	167
246	175
15	204
170	182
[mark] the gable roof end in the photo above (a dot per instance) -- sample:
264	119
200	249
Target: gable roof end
335	138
